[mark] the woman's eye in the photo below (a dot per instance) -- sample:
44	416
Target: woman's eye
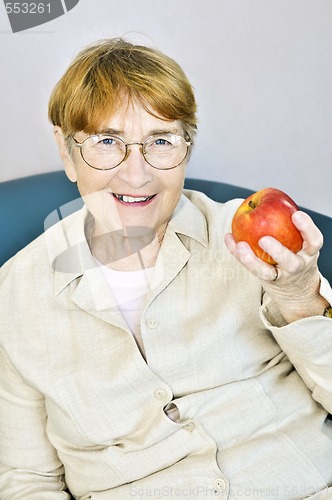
160	141
107	141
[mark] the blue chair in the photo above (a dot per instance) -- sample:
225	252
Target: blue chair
26	202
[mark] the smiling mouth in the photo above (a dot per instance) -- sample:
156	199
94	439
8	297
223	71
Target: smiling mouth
131	199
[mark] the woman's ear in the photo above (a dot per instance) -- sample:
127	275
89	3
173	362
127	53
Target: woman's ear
65	155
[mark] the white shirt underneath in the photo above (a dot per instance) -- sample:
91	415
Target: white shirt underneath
130	289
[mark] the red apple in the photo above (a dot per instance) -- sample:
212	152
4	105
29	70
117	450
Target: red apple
267	213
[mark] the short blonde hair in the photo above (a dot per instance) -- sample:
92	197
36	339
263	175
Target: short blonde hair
103	73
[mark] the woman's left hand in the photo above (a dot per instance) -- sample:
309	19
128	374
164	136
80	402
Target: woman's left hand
293	284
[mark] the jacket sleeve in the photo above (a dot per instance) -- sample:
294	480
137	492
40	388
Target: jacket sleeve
308	345
29	465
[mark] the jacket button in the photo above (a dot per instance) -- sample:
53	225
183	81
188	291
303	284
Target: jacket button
152	323
219	484
160	394
190	427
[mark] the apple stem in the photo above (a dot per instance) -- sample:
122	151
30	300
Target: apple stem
251	204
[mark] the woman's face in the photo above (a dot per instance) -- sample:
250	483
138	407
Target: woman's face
103	191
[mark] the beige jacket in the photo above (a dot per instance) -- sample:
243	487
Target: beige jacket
79	404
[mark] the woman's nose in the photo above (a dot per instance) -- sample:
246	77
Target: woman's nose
134	169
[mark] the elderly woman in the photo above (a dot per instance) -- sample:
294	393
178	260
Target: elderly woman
143	352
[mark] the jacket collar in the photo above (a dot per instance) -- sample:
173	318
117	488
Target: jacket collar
189	220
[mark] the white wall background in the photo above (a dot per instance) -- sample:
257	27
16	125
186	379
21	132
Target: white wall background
262	71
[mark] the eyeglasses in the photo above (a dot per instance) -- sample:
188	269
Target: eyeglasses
161	151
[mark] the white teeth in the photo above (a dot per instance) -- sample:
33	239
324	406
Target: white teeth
131	199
